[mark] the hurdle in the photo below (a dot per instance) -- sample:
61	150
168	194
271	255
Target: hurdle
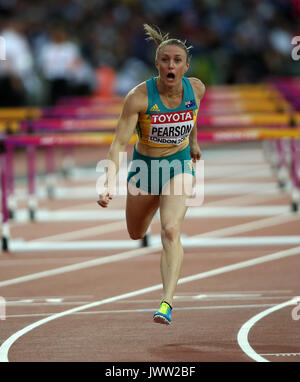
48	140
31	142
249	114
23	120
223	106
289	88
83	119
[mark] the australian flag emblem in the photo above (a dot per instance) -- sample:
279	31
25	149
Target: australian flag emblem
190	103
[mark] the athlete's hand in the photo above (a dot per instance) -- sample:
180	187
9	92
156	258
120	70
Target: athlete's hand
195	152
104	198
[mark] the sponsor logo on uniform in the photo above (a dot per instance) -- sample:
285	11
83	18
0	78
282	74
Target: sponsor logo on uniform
154	108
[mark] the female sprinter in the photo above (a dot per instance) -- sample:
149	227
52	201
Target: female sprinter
163	112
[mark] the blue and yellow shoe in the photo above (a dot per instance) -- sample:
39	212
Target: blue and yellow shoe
163	315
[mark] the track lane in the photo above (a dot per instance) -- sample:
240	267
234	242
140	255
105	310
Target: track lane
135	276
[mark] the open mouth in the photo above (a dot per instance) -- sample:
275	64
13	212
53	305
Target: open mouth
171	76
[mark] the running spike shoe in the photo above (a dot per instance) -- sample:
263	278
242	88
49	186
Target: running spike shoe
163	315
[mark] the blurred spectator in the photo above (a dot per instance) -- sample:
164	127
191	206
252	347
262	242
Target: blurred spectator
233	41
63	67
132	73
17	77
83	78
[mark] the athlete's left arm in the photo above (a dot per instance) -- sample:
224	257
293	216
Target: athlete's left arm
199	90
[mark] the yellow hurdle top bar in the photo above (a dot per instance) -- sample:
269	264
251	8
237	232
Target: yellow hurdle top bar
22	113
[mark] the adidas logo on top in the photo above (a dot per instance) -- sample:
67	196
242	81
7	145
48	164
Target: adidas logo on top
154	108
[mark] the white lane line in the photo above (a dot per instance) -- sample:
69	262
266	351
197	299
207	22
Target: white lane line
211	188
181	299
142	310
79	266
27	303
211	171
120	225
19	245
118	201
245	241
240	211
155	240
95	262
243	333
98	230
116	226
52	260
243	199
250	197
247	198
4	348
244	172
282	354
44	215
244	264
254	225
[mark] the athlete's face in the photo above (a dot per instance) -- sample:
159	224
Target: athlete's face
171	64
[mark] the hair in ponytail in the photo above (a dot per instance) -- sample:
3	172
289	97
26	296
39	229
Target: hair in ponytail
162	40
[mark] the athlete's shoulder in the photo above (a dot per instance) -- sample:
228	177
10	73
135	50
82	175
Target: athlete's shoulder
139	90
137	98
198	86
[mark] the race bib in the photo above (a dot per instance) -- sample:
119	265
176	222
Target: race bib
171	128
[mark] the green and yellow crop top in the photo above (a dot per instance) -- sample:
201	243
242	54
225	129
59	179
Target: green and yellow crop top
163	127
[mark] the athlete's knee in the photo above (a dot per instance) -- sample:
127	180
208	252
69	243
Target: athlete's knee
136	235
169	233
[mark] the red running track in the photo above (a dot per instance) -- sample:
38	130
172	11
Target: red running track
235	299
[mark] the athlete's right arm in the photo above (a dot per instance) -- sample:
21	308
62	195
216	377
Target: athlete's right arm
134	103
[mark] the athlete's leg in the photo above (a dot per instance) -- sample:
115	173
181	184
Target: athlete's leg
172	211
140	209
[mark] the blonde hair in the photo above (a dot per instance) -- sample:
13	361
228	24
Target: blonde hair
161	40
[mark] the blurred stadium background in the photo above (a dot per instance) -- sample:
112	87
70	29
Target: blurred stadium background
51	141
57	48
